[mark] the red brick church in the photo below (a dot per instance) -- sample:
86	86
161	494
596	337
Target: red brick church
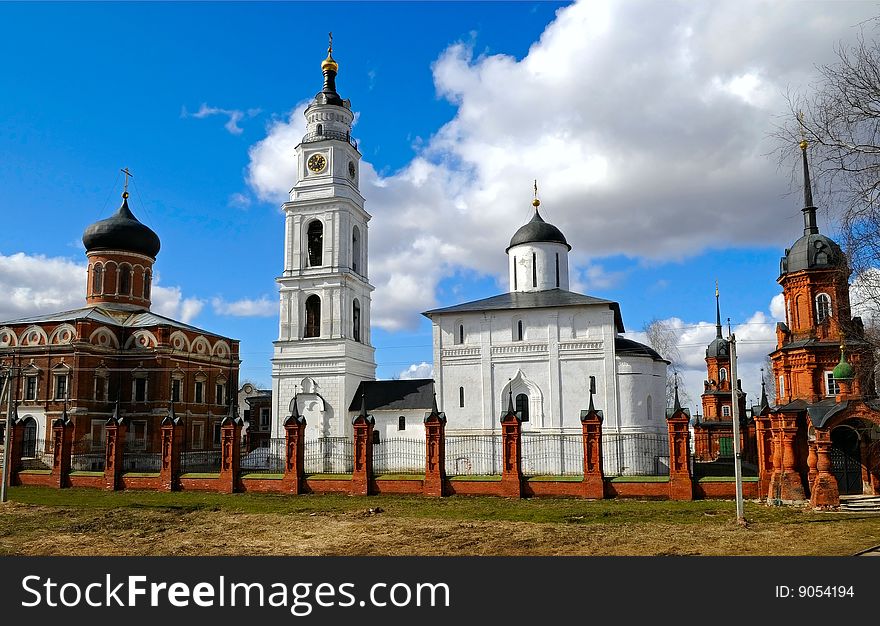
115	359
822	440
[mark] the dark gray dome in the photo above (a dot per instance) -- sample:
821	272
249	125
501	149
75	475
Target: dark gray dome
123	232
718	348
538	230
812	251
628	347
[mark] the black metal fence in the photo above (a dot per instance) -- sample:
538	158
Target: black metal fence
473	455
399	456
268	459
552	454
200	461
136	457
328	455
87	456
635	454
35	455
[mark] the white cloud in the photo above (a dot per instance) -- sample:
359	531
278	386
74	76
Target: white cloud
246	307
645	124
234	116
37	284
239	201
420	370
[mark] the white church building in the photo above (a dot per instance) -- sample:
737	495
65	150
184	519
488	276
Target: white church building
539	343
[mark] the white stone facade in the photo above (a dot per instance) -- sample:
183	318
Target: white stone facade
324	357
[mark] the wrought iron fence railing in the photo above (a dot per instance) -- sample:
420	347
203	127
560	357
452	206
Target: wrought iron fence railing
399	456
87	455
552	454
635	454
473	455
267	459
328	455
35	455
138	457
200	461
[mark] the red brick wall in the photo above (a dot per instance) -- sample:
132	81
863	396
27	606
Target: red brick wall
650	491
200	484
709	489
153	483
546	488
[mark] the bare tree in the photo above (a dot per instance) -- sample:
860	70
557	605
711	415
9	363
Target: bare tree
664	339
768	380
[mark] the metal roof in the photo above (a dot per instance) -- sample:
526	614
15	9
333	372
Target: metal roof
390	395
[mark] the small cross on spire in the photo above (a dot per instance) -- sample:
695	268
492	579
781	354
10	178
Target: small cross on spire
330	45
128	175
536	203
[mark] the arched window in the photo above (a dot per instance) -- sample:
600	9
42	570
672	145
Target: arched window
534	270
125	280
29	440
461	397
356	320
401	423
355	249
461	333
313	316
781	385
111	272
519	331
320	129
823	307
148	277
649	407
722	374
522	407
98	279
315	237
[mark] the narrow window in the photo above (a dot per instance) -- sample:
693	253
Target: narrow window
264	417
315	237
320	129
356	320
200	391
217	434
401	423
148	277
722	374
522	407
220	395
461	397
534	270
125	280
29	440
198	437
175	390
519	330
514	273
823	307
355	249
781	385
461	333
376	437
60	386
557	270
98	279
650	408
831	386
30	388
725	411
140	389
100	388
313	316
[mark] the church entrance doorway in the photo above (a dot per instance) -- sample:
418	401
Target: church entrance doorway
846	462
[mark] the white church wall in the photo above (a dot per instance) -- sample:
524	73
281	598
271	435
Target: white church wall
642	400
576	385
543	257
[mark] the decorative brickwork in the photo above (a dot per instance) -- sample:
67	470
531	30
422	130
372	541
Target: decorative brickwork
230	451
593	485
294	452
62	445
362	475
435	452
511	446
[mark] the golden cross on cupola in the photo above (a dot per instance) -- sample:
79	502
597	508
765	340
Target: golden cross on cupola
803	144
128	175
536	203
330	45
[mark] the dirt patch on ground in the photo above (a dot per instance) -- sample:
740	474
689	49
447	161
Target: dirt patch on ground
46	530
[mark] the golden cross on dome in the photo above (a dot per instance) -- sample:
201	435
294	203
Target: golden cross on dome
330	45
128	175
803	144
536	203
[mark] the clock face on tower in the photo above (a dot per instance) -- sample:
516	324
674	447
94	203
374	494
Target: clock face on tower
317	163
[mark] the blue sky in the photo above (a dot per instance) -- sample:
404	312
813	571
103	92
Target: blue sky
646	124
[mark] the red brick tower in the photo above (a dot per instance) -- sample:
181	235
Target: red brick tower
716	388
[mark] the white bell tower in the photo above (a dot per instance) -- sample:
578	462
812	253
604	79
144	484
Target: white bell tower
323	350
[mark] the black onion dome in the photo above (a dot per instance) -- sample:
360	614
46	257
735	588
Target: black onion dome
719	347
812	251
538	230
628	347
122	231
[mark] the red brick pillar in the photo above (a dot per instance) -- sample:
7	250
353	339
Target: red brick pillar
172	436
791	485
116	431
15	447
62	445
593	485
681	485
774	492
764	442
362	474
435	452
812	464
824	489
294	453
511	449
230	454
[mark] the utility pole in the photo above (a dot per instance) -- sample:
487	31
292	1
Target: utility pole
8	386
737	453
